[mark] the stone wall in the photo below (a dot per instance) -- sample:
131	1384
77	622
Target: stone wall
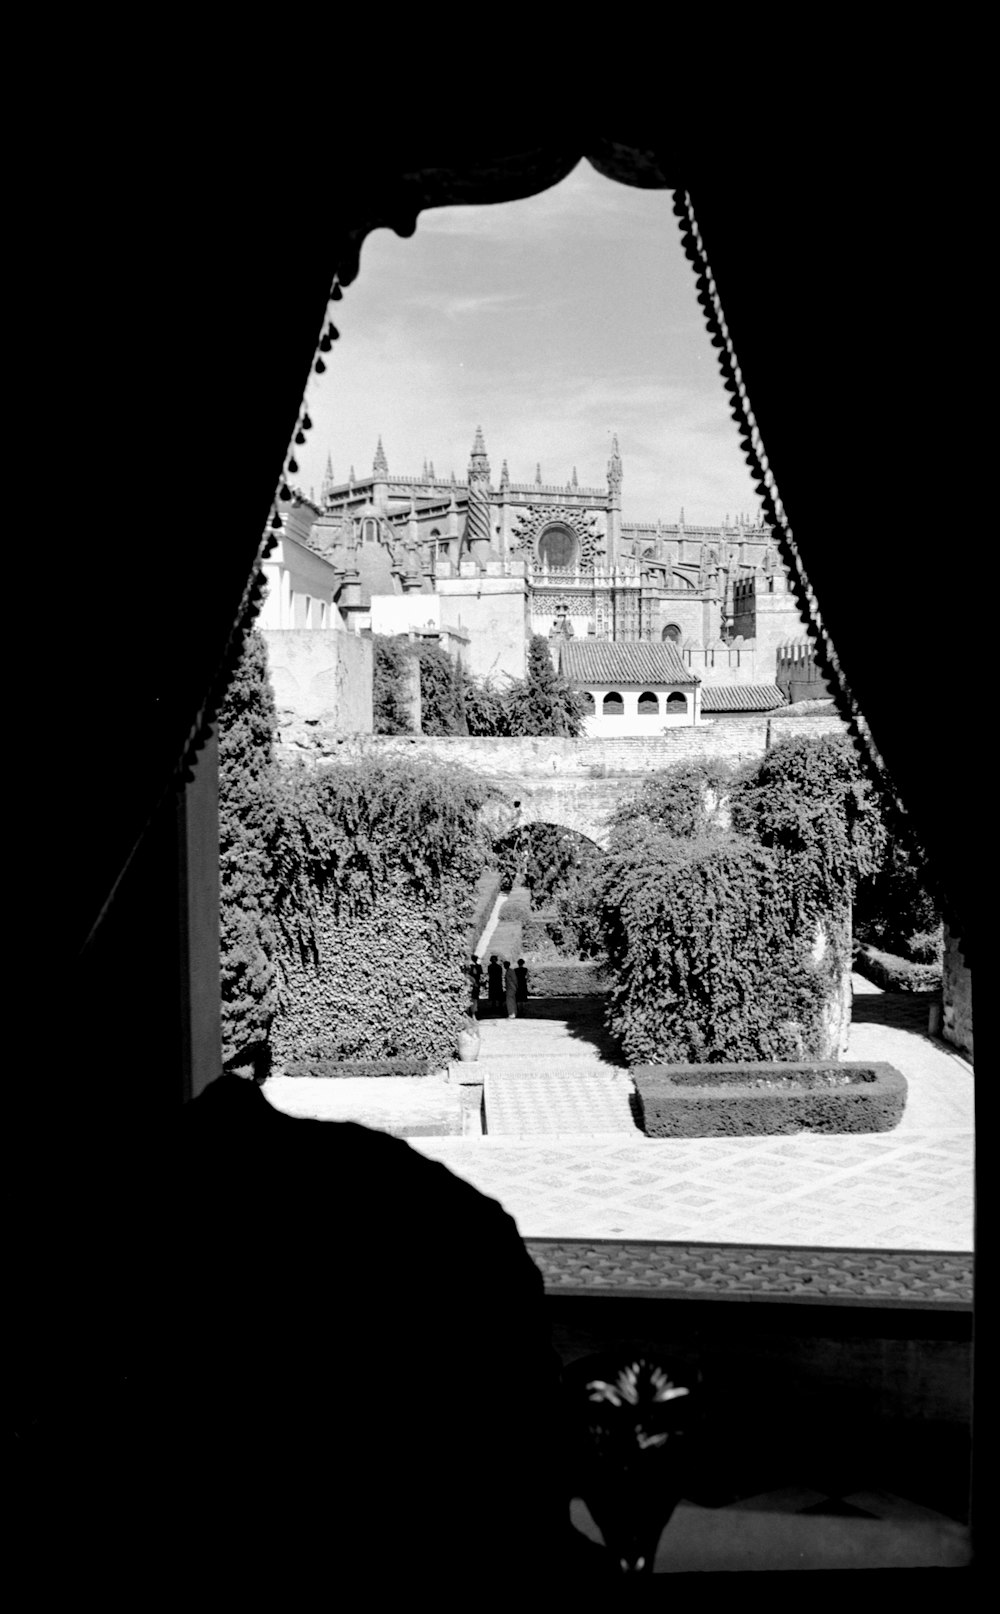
321	678
576	783
956	1018
493	611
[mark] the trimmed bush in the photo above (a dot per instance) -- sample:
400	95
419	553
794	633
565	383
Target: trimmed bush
566	980
515	911
358	1067
894	974
764	1100
377	873
710	959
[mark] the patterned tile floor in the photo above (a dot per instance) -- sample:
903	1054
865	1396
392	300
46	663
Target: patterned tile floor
911	1188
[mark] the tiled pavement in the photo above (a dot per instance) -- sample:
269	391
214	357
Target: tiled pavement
908	1189
911	1188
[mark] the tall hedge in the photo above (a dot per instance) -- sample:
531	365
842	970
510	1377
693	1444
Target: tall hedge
725	906
705	955
247	809
377	869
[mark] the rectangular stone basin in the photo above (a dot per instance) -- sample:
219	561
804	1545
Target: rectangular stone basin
760	1100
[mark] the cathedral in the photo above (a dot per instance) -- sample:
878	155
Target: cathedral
485	563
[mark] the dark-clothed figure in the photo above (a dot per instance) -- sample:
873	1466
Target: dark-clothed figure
510	990
494	976
521	975
475	983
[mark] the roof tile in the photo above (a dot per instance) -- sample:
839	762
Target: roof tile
741	697
601	661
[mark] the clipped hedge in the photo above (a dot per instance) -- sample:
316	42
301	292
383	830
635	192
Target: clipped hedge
383	984
566	980
895	974
763	1100
515	911
506	940
358	1067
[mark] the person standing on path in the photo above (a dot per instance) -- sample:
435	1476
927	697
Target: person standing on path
494	975
521	975
476	982
510	990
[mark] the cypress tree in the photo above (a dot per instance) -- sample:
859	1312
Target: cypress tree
247	810
544	704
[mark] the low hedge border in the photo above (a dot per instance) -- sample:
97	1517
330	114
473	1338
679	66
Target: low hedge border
762	1100
894	974
566	981
357	1067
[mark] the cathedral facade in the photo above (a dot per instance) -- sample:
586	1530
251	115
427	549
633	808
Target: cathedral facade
491	562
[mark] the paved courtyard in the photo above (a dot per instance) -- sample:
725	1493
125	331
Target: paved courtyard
571	1164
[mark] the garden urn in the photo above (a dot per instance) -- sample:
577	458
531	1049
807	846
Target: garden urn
468	1043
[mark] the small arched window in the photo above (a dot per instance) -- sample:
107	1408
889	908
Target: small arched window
676	704
369	531
649	704
613	705
671	632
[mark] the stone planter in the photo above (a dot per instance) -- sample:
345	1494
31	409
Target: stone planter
760	1100
468	1046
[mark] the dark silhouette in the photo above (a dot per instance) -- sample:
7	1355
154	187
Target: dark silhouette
521	976
627	1417
355	1373
494	975
475	982
510	990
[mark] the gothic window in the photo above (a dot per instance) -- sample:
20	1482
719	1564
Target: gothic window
558	548
369	531
649	704
676	704
613	705
672	632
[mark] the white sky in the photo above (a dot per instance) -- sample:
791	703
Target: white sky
552	323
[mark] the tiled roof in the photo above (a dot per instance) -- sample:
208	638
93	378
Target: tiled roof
741	697
599	661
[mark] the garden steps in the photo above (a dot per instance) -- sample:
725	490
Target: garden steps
550	1103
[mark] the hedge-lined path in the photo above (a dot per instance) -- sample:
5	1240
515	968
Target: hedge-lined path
906	1189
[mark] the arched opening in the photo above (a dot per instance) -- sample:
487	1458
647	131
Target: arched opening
676	704
587	702
671	633
649	704
558	548
613	705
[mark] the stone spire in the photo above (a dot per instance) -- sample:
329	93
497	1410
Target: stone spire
478	526
380	465
614	504
479	465
327	486
538	474
430	471
574	483
504	478
615	471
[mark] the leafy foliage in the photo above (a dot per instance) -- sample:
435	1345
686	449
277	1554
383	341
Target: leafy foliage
540	704
390	701
442	692
247	790
377	866
685	800
706	957
543	703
